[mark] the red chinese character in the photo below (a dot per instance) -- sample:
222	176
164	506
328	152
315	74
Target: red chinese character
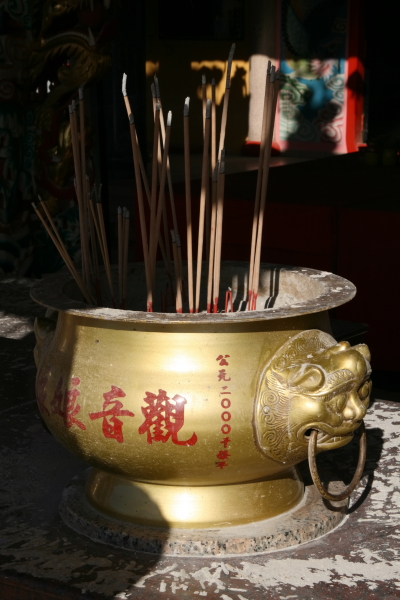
65	404
41	393
223	455
221	464
222	375
112	427
222	359
165	418
225	442
57	402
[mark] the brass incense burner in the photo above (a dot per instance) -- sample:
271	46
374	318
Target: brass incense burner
205	415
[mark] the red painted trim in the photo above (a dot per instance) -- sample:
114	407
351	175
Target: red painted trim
251	148
355	75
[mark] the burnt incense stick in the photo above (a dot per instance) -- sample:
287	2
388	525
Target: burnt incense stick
50	219
99	236
95	257
204	185
102	228
66	258
153	205
204	100
155	91
274	92
142	172
178	301
258	187
82	138
226	101
218	236
169	178
78	181
141	163
142	218
161	198
213	126
188	196
180	264
212	239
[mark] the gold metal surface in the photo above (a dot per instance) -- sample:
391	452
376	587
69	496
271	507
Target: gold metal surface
312	383
196	507
176	412
345	493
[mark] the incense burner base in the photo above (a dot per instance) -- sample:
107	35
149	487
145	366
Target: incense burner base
310	519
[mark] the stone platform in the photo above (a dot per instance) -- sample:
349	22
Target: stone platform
309	520
43	559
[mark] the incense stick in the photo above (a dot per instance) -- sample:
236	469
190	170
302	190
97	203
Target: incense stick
226	101
218	236
99	236
204	100
169	178
204	185
155	91
59	244
258	187
212	239
178	302
274	92
189	237
213	127
161	198
82	132
153	205
102	228
140	174
78	182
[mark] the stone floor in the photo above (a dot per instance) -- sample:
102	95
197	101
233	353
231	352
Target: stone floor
41	558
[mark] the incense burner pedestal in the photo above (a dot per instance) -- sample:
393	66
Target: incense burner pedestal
194	422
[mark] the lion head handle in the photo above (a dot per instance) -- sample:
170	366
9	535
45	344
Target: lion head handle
312	382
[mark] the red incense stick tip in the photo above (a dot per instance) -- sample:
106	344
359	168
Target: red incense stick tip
179	310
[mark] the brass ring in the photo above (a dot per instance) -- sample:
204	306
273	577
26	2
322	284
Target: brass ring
357	475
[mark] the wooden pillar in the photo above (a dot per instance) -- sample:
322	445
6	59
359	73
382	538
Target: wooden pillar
263	25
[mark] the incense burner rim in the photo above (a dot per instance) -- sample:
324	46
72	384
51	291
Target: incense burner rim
51	293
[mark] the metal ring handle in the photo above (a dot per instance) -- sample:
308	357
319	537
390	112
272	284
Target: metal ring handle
312	446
